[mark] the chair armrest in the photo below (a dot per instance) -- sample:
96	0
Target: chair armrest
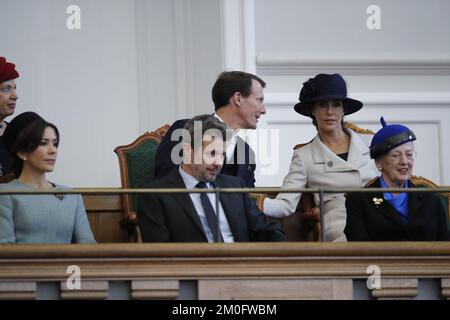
259	198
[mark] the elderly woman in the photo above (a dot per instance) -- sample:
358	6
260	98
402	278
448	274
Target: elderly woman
48	218
8	98
385	216
336	157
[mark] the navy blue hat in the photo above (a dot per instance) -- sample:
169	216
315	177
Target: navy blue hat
325	87
389	137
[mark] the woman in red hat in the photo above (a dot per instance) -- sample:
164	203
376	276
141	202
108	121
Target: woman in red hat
386	216
336	157
8	98
42	218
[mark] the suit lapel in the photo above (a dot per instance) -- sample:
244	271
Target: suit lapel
243	163
227	201
323	155
358	153
176	181
415	201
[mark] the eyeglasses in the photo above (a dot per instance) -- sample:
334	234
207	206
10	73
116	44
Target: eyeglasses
397	156
8	89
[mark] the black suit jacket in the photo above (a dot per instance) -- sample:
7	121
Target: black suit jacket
5	159
173	218
245	170
367	221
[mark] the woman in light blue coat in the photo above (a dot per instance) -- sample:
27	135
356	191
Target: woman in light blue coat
38	218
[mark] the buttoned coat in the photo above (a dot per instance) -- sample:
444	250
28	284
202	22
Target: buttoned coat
371	218
314	165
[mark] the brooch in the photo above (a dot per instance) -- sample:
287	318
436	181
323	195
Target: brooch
377	201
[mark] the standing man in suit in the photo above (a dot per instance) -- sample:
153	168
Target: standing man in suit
239	102
8	98
183	217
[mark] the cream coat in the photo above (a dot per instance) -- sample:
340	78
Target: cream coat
315	165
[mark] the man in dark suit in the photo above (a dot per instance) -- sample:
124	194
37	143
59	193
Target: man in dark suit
194	217
239	102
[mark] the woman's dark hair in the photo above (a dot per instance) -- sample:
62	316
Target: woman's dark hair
28	140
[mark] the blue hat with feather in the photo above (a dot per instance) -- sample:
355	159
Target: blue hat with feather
389	137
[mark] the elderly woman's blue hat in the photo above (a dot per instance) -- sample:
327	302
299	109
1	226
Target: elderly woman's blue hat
325	87
389	137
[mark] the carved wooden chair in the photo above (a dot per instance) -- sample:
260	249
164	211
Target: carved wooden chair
304	223
137	168
426	183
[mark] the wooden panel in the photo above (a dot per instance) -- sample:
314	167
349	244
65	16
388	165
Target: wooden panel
154	289
105	213
405	288
233	271
106	228
17	290
88	290
103	202
274	289
445	288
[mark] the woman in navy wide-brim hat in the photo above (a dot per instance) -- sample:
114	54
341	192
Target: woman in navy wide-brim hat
336	157
385	216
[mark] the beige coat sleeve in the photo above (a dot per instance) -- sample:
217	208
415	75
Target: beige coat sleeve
286	203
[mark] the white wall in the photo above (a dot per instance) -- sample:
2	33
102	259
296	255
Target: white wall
132	67
85	81
138	64
401	71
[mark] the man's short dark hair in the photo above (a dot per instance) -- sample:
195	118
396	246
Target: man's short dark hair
230	82
209	123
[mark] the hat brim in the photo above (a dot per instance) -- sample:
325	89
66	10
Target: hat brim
350	105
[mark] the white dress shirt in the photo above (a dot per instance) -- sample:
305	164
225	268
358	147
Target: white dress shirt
231	143
190	182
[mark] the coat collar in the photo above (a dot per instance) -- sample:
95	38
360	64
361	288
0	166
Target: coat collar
175	180
227	201
414	204
358	154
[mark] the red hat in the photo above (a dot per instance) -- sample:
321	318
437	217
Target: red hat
7	70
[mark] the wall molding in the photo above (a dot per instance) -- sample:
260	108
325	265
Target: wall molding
399	99
238	35
184	71
430	108
298	64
